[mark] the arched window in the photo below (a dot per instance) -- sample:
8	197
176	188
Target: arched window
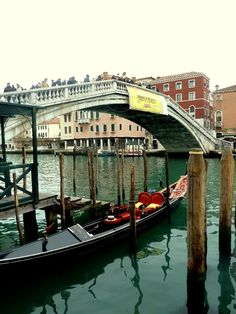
192	111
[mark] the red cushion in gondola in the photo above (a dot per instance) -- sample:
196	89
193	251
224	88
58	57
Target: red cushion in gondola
157	198
144	197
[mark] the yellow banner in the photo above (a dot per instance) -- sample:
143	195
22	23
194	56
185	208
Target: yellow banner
145	100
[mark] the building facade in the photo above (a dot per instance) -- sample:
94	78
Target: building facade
48	136
224	105
191	91
85	129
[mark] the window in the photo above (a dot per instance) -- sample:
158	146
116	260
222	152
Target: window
65	129
76	129
191	83
191	95
130	127
204	83
137	127
91	115
112	127
178	85
97	128
218	118
120	127
69	129
207	112
69	117
192	111
76	116
97	115
104	128
91	128
81	129
65	118
166	87
178	97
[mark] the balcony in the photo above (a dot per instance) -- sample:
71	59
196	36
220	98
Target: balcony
83	121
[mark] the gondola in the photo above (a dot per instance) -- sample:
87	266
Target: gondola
78	241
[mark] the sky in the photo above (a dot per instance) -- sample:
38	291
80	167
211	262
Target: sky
63	38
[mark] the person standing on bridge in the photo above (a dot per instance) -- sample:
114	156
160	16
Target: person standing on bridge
7	89
86	79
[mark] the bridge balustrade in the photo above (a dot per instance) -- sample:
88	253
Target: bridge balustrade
60	93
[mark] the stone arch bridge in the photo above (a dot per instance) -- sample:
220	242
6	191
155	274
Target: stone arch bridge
176	130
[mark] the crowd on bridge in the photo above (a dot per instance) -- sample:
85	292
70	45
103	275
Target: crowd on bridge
44	84
72	80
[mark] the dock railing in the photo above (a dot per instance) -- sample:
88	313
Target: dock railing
26	194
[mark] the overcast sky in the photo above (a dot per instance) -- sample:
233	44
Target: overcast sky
62	38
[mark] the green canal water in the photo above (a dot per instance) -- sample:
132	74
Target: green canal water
113	281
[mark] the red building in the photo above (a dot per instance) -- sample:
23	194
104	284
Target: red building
191	91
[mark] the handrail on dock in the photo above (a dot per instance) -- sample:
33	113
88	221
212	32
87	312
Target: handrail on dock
6	183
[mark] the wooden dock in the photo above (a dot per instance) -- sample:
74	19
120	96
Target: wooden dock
46	201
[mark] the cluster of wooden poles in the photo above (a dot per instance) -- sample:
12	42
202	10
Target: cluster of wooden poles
93	179
196	223
93	185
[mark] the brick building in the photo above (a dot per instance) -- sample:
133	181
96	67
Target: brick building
191	91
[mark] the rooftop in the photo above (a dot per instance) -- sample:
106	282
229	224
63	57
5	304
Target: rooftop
181	76
231	88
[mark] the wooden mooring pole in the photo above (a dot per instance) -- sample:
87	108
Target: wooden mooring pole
23	162
21	238
133	239
92	179
89	174
62	195
96	170
122	176
226	199
118	176
196	231
145	170
167	183
74	170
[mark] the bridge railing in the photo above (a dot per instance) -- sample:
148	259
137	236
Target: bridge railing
63	92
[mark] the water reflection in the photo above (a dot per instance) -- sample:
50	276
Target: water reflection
161	256
47	292
227	292
91	286
136	282
167	255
